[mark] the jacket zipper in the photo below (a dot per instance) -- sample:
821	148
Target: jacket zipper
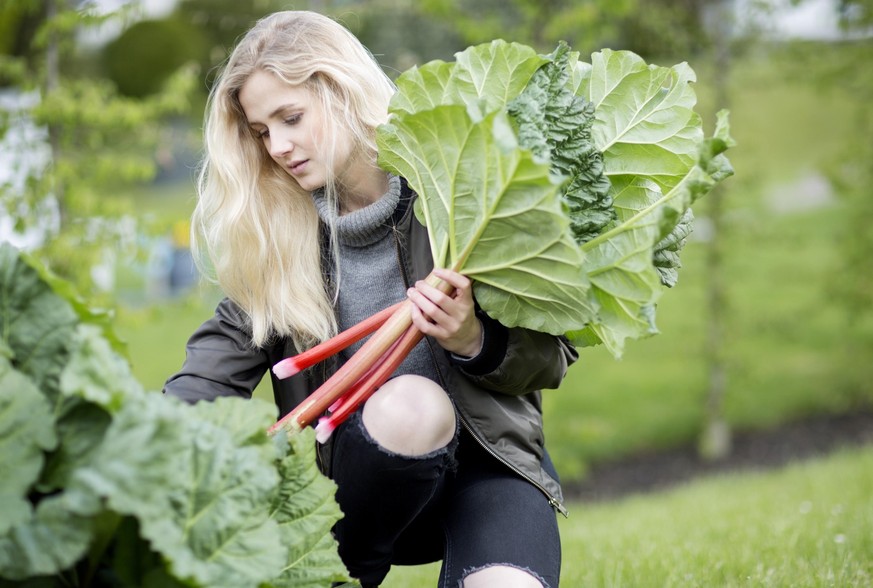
553	502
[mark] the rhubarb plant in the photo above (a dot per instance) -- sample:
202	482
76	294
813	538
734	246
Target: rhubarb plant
562	188
103	483
558	186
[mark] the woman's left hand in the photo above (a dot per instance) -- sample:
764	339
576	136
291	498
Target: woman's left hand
448	318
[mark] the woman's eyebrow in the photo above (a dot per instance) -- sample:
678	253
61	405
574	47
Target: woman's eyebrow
276	112
280	109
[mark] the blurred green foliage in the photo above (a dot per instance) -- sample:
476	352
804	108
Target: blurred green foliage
148	53
98	140
18	23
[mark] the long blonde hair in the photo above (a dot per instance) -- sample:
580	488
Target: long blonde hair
254	230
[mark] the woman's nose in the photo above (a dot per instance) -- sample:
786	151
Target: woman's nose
280	145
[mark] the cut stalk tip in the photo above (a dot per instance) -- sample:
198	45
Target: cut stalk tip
324	429
286	368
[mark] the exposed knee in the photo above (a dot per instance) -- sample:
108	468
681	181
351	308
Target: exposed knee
501	575
410	415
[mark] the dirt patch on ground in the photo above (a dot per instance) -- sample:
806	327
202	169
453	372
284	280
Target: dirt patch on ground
752	450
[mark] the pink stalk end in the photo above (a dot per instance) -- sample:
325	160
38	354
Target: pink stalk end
336	405
324	429
287	368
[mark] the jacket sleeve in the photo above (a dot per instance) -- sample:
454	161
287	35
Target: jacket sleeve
219	359
517	361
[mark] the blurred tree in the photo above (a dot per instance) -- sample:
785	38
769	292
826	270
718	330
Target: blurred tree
97	140
149	52
222	22
399	34
853	175
715	439
586	26
664	29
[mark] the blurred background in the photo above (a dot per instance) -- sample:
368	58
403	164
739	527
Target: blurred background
771	322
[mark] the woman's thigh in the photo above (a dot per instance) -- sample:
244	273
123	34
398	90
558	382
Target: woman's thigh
497	519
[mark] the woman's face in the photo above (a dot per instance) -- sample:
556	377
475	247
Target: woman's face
290	123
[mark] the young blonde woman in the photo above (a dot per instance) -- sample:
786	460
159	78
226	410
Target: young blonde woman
306	236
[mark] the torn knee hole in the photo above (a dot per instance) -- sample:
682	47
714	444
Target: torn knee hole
501	574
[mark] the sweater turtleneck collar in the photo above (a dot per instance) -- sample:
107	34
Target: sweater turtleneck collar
364	226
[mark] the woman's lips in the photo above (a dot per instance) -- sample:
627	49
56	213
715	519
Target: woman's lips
298	167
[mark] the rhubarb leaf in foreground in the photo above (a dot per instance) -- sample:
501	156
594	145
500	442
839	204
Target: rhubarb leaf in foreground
210	524
24	437
98	473
35	324
305	511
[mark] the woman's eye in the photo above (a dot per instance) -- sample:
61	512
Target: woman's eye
294	119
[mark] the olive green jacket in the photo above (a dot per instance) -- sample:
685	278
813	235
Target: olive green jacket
500	405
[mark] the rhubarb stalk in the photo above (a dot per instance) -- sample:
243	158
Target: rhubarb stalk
297	363
370	354
368	384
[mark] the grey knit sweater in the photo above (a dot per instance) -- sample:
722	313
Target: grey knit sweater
369	275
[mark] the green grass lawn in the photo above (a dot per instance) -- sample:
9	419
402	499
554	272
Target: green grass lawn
807	525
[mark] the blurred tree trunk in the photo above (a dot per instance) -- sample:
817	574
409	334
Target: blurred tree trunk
853	176
715	439
51	83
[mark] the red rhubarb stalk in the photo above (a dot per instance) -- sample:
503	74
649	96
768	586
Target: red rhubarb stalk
368	384
345	397
344	378
297	363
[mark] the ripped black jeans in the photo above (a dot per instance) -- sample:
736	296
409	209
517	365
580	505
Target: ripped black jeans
458	504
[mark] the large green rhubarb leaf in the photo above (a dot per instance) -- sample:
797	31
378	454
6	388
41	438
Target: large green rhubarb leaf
199	497
36	325
306	511
624	278
26	433
645	119
484	78
555	124
493	212
656	158
623	144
